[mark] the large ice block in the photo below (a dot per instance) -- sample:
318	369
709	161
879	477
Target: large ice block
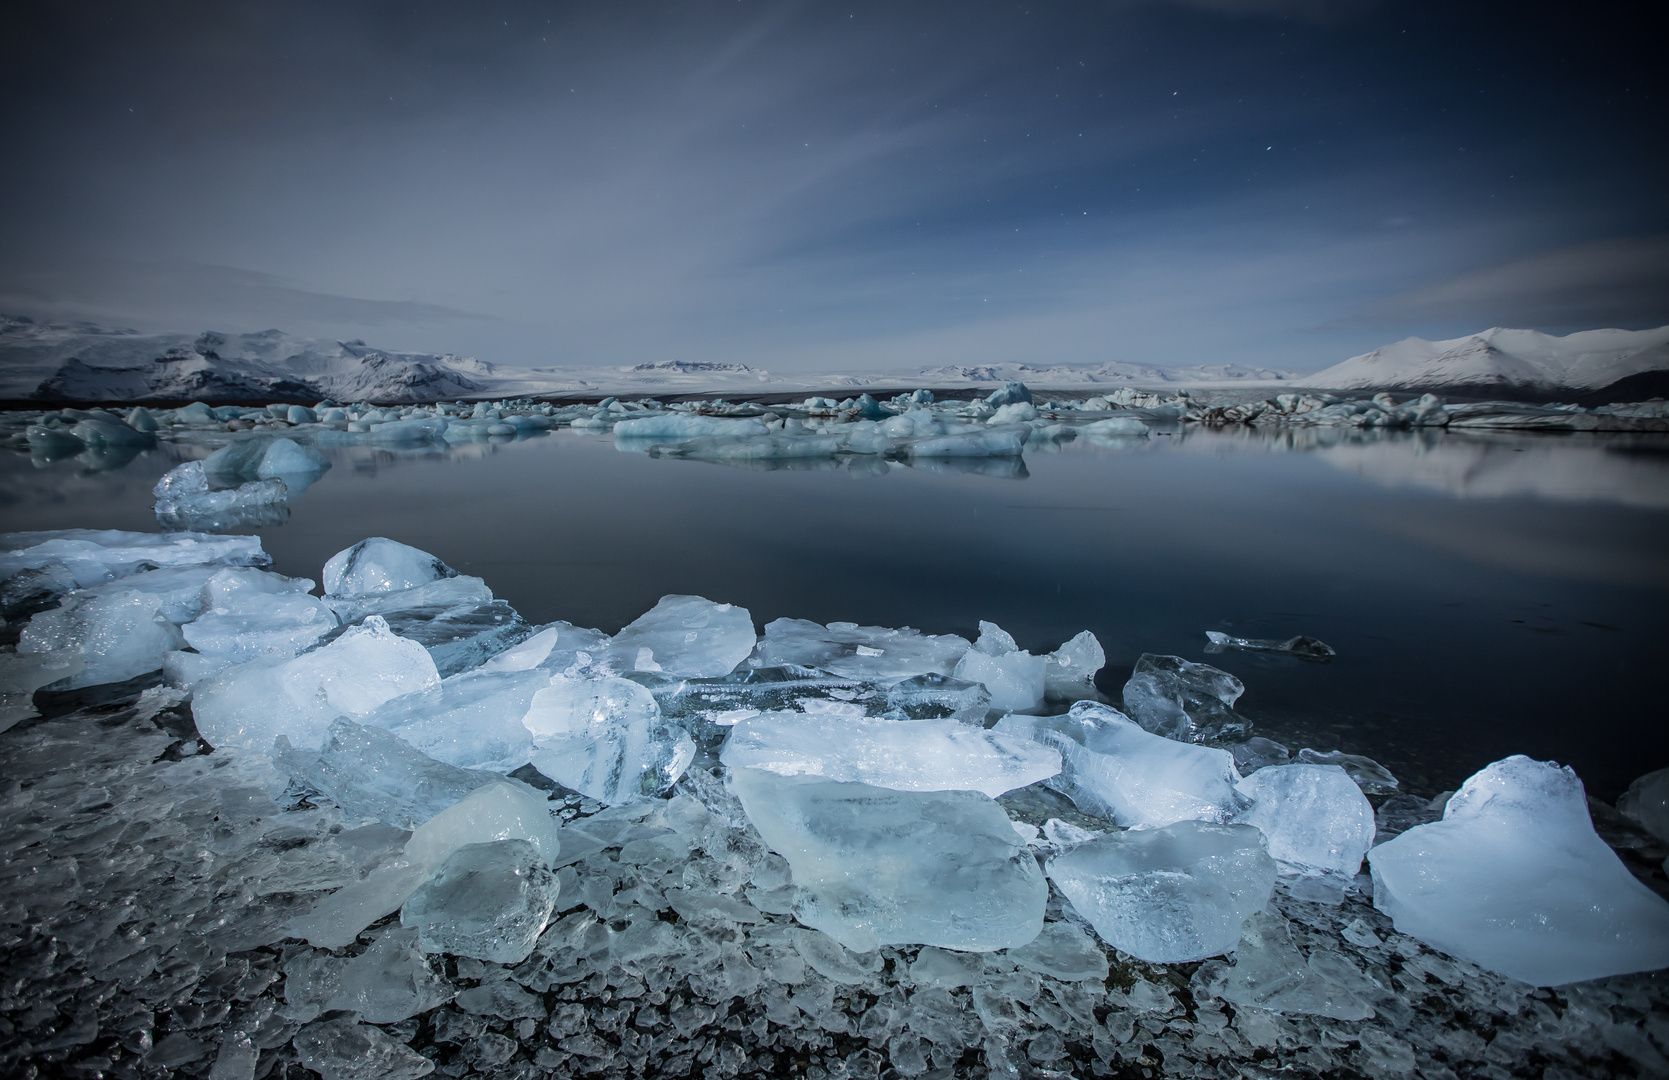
685	635
605	738
263	458
1170	895
369	772
381	565
904	755
488	901
938	697
1111	767
1515	879
391	981
876	866
1314	817
119	633
183	499
1270	973
251	613
459	637
472	720
95	556
1070	674
1014	679
252	704
871	653
1180	699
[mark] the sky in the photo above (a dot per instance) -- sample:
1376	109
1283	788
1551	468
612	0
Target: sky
839	186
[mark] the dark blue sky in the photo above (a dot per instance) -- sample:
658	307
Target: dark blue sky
819	185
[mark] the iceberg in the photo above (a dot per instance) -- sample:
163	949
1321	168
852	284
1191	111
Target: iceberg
1314	817
380	565
684	426
1170	895
605	738
870	653
685	635
1515	879
264	459
1111	767
487	901
903	755
252	704
1014	679
183	500
878	867
1180	699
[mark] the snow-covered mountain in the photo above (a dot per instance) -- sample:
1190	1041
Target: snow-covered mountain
1503	359
83	362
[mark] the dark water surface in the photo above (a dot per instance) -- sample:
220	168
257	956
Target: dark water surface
1487	594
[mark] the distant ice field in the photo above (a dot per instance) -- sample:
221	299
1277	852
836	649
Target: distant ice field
1487	593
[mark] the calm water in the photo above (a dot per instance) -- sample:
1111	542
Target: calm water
1486	594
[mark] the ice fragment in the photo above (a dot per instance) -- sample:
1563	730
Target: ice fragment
488	901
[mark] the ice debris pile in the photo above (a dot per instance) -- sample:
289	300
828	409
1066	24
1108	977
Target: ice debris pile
391	829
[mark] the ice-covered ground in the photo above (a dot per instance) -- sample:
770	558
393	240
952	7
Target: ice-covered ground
390	829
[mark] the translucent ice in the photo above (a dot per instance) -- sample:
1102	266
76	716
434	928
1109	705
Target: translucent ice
904	755
1515	879
252	704
472	720
605	738
369	772
998	442
1062	951
1647	802
872	653
95	556
1110	766
1270	972
1014	679
249	617
1370	775
119	633
685	635
391	981
380	565
935	697
459	637
345	1049
177	590
1314	817
1070	675
488	901
1305	648
21	674
1258	753
261	459
875	866
183	498
1169	895
1180	699
1117	425
683	425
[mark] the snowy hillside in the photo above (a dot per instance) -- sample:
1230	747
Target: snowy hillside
82	362
1520	359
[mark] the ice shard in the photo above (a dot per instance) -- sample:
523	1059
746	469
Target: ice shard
1180	699
488	901
871	653
1013	678
605	738
685	635
1315	818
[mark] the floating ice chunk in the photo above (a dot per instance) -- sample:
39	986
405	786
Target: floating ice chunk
998	442
684	426
1270	973
1062	951
262	459
95	556
686	635
245	620
938	697
1070	674
1370	775
1258	753
605	738
1117	425
183	498
473	720
1014	679
487	901
1314	817
252	704
1305	648
1111	767
1015	412
391	981
904	755
345	1049
871	653
380	565
1180	699
876	867
119	634
753	447
1515	879
1170	895
1647	802
369	772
